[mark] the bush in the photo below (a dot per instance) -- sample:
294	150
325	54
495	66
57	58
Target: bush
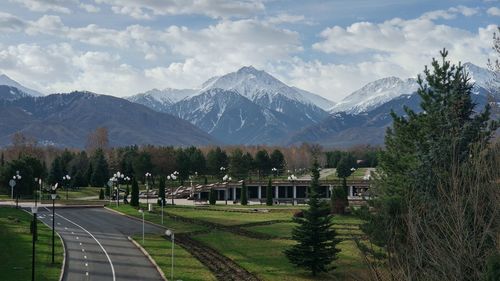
101	194
212	197
244	194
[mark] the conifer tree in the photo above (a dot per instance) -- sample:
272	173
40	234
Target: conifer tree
134	200
100	173
269	193
161	190
244	194
316	238
212	197
101	194
429	194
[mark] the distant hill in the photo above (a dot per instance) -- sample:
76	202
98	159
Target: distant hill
67	119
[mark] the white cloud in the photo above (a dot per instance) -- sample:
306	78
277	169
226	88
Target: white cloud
287	18
213	8
60	6
89	8
11	23
493	11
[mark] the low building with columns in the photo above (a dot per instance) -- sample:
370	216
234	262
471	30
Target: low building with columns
284	191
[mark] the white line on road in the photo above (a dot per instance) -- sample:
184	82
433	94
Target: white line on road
99	243
85	257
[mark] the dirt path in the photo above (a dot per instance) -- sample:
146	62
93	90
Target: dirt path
221	266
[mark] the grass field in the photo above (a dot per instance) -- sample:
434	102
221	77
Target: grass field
186	267
16	247
265	258
232	217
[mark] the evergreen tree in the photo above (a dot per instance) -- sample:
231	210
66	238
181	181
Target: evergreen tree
101	194
423	204
269	193
216	158
56	172
2	160
134	200
100	172
344	170
237	165
277	160
316	238
161	190
244	194
212	197
263	163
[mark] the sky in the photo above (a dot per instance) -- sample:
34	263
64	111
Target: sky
331	48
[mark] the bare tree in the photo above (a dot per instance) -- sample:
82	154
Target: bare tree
98	139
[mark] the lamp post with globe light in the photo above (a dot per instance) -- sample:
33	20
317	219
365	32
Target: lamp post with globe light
292	178
53	195
142	212
171	234
173	177
66	180
227	179
148	178
15	178
34	210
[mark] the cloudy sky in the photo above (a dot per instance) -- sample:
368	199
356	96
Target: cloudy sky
122	47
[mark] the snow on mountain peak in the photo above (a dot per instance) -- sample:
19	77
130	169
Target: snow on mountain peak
6	80
482	77
256	84
374	94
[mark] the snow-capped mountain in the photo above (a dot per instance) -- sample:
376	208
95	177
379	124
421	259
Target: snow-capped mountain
247	106
5	80
254	84
384	90
161	100
374	94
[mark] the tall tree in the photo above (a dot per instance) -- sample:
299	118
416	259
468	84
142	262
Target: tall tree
436	204
277	160
262	163
316	238
100	172
216	158
161	189
269	193
344	169
244	194
237	165
134	200
56	172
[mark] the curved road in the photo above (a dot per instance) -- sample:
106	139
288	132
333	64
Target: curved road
97	247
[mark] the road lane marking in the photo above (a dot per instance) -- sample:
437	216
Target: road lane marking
99	243
85	257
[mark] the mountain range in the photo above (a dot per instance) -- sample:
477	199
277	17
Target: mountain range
248	106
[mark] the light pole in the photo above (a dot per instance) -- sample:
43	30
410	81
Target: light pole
274	171
66	180
162	203
127	180
13	183
148	177
117	178
39	181
173	177
170	233
53	195
142	212
222	170
226	179
292	178
34	210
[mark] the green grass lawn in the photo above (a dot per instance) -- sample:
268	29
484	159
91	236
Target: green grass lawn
231	217
177	226
265	258
16	246
186	267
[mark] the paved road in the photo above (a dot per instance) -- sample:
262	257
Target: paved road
97	247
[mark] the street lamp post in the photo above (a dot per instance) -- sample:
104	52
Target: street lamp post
274	171
53	195
173	177
34	210
127	180
13	183
142	212
226	179
170	233
162	203
66	180
148	177
292	178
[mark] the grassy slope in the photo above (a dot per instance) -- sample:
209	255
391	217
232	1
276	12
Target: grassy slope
186	267
15	248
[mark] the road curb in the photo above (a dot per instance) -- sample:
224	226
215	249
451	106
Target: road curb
149	257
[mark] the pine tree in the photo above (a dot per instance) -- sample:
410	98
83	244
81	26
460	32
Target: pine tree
100	173
244	194
269	193
316	238
344	170
134	200
161	190
423	206
212	197
56	172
